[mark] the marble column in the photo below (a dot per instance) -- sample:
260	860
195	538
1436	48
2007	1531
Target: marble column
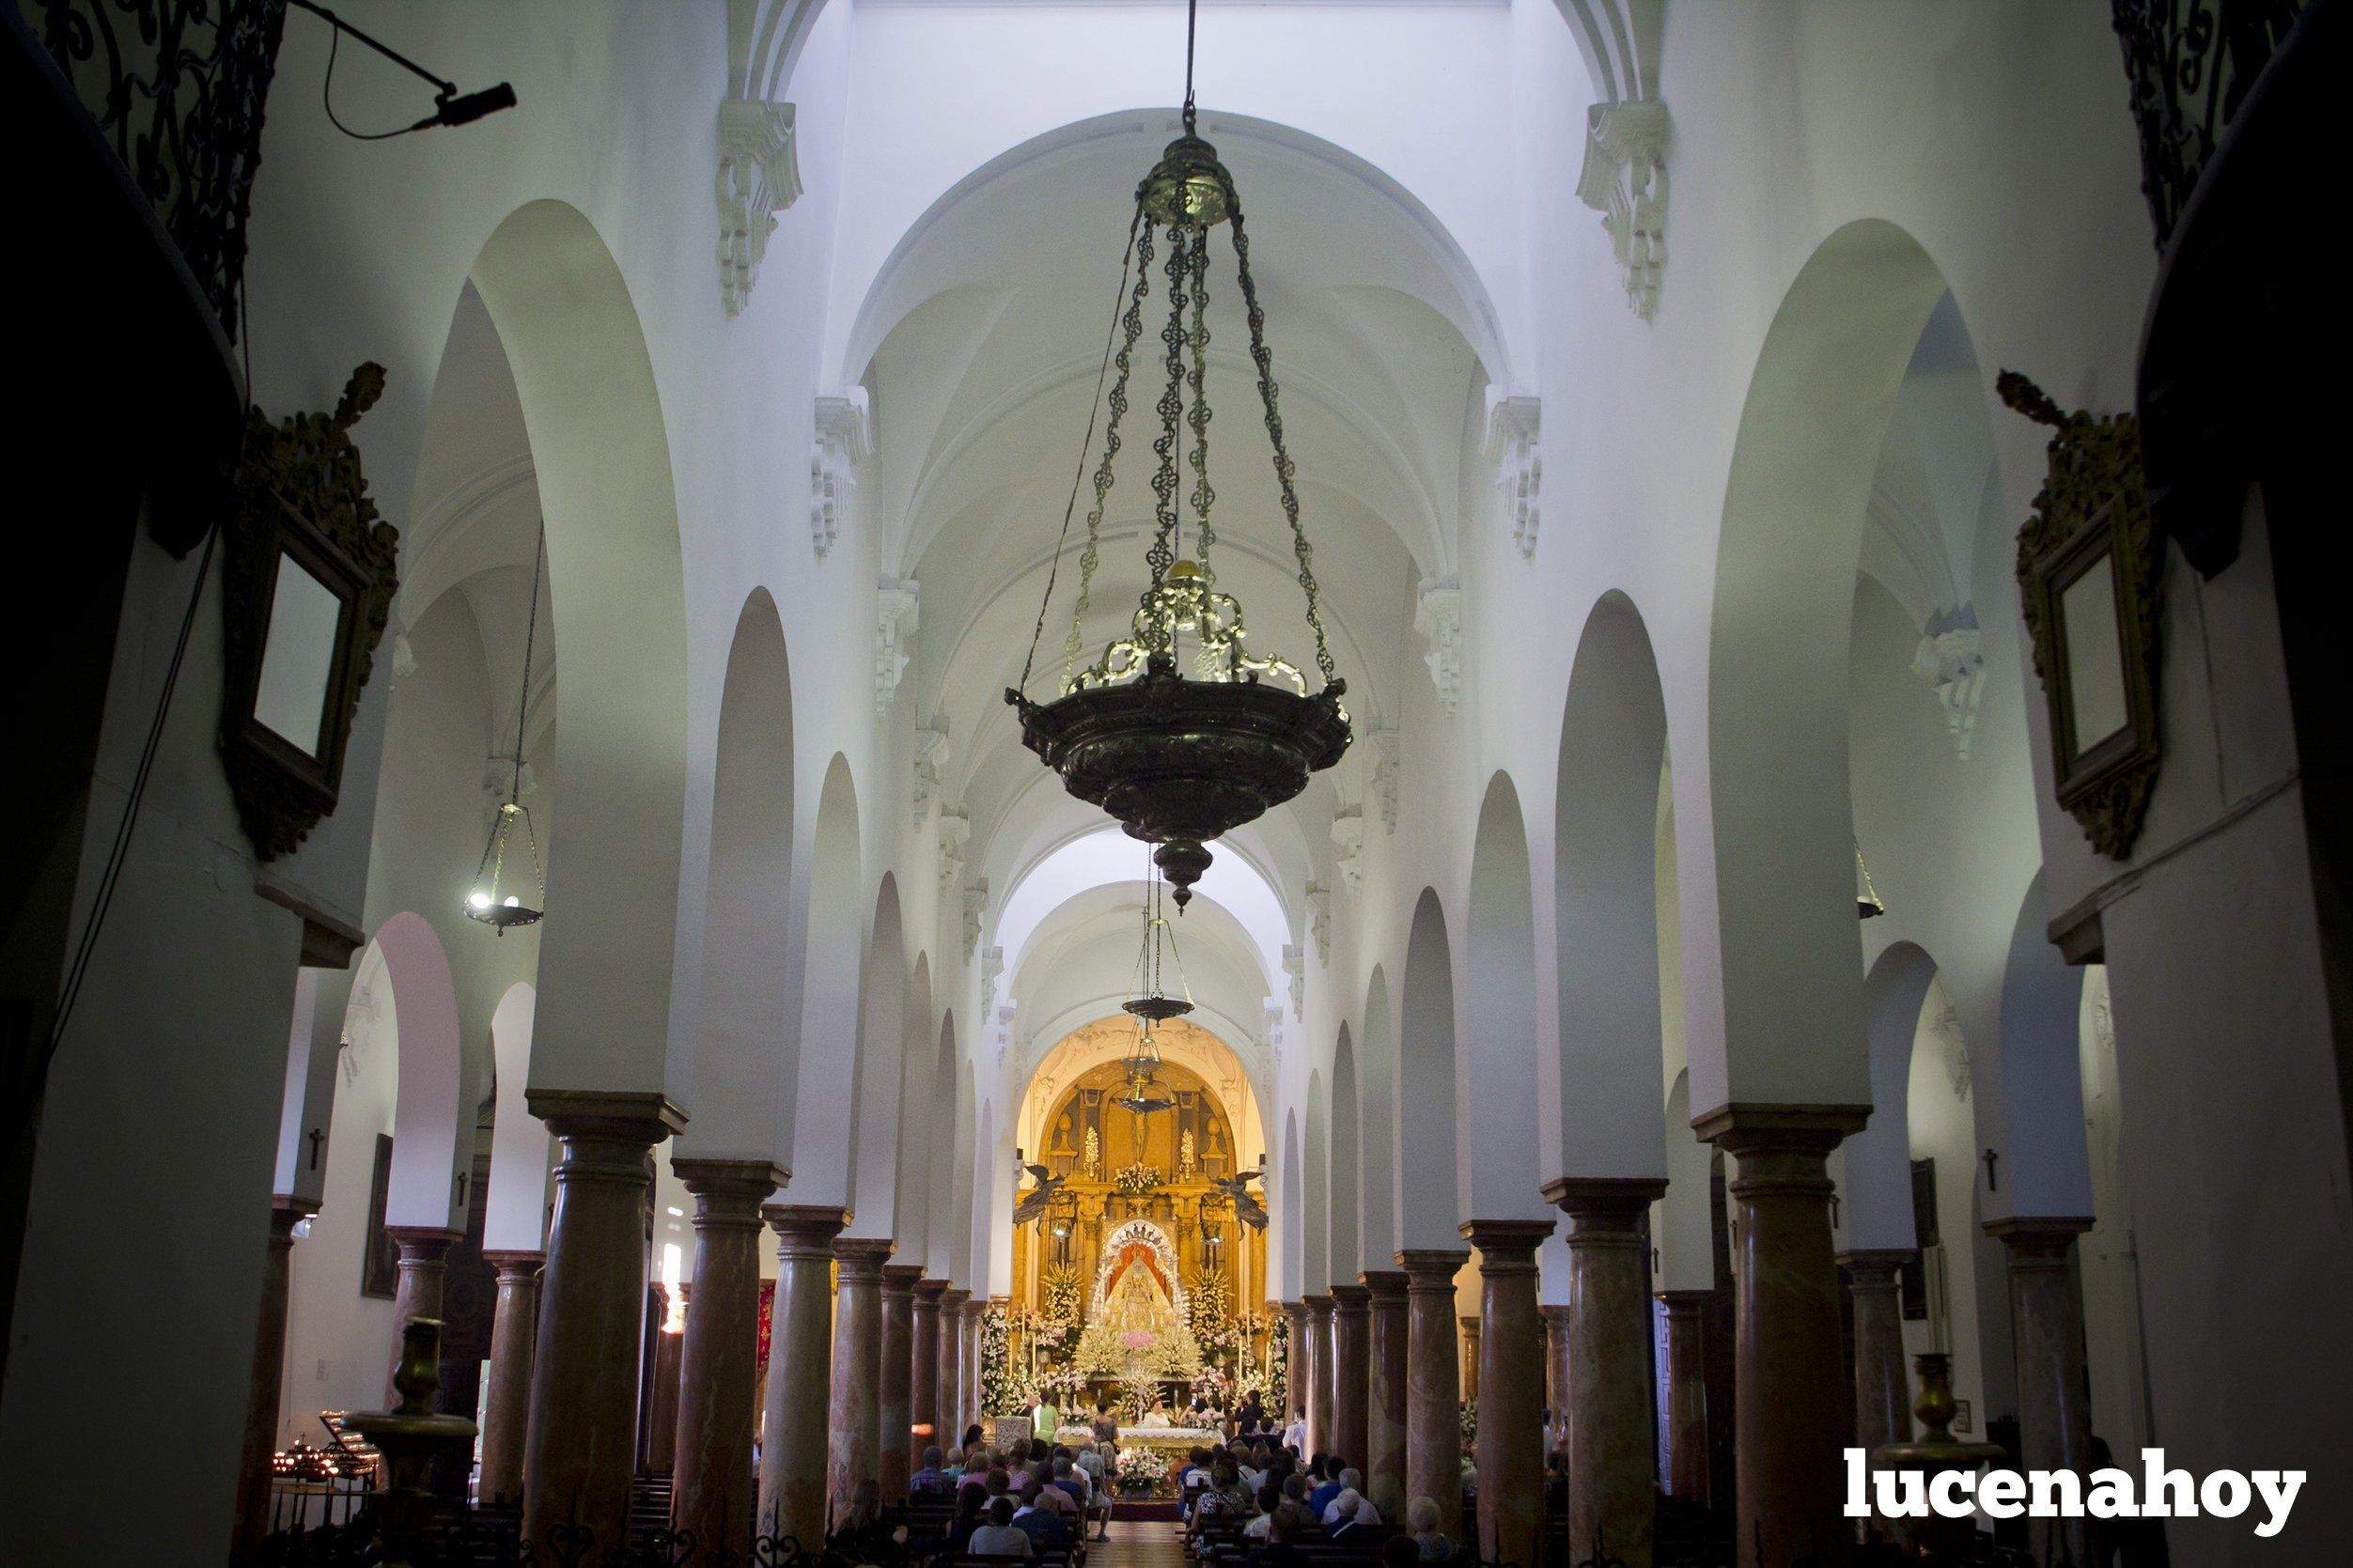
800	1372
581	1446
720	1360
1613	1444
1786	1338
1351	1315
1385	1386
1687	1393
424	1270
922	1371
1295	1364
1882	1392
894	1408
975	1309
1468	1350
1555	1378
267	1388
1319	1428
662	1397
506	1396
853	1422
1433	1401
1511	1385
2054	1411
949	1379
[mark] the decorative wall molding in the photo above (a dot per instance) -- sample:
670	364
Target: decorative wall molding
1625	179
1319	919
1510	443
1951	659
976	906
759	176
1348	836
956	830
896	617
844	438
1437	615
1271	1015
1385	771
991	970
1295	970
928	765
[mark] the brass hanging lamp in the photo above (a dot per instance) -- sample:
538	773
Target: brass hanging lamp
498	898
1868	904
1144	1093
1181	759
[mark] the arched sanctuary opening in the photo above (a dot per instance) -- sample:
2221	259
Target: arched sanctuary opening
1195	1321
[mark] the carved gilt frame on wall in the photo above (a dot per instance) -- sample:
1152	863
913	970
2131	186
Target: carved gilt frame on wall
301	498
2092	520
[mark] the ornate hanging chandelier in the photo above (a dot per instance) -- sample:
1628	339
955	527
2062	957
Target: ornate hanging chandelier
1144	1093
497	899
1179	759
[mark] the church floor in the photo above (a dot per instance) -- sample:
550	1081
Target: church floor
1139	1543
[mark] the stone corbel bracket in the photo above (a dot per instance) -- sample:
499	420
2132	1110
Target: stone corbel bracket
1510	442
842	438
1625	179
895	619
956	830
1437	615
759	176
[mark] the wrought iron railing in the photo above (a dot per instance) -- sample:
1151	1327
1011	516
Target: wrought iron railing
178	87
2190	63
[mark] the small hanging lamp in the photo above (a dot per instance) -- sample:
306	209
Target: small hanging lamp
1181	759
500	897
1868	904
1144	1092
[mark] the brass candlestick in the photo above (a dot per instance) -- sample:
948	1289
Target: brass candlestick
409	1437
1936	1451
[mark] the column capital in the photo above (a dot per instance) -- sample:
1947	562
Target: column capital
1554	1314
1742	1127
899	1279
514	1266
1604	1199
1351	1300
1678	1302
1471	1324
805	1231
862	1258
1868	1266
623	1115
2038	1240
1317	1306
429	1242
732	1188
288	1210
1506	1246
1383	1285
976	1306
928	1292
952	1299
1429	1268
1292	1308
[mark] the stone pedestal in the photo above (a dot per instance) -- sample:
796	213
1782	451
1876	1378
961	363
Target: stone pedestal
1433	1400
1468	1344
1351	1315
1613	1442
923	1371
1882	1396
1318	1366
1686	1375
1555	1376
662	1398
800	1372
1511	1384
950	1377
581	1443
720	1356
853	1426
1295	1365
269	1375
424	1270
1385	1391
894	1408
1786	1338
2054	1411
506	1399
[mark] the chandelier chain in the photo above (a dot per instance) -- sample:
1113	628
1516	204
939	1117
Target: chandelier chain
1204	495
1171	409
1136	258
1283	468
530	636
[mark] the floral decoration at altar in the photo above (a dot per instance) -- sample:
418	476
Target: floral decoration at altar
1136	1330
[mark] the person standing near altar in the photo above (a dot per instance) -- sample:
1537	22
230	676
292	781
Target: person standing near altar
1045	1419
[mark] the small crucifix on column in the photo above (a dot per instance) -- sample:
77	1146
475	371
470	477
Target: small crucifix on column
318	1136
1993	1182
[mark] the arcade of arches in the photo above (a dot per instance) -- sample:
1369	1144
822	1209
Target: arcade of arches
1543	1101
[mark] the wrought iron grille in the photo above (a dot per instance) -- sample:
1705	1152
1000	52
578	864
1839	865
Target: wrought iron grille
179	86
2190	64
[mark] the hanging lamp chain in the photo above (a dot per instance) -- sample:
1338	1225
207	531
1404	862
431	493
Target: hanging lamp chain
1193	19
530	635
